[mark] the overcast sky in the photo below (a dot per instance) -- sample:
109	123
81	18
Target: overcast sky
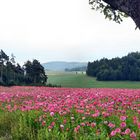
62	30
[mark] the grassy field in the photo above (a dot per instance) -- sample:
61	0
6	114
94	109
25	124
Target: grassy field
71	79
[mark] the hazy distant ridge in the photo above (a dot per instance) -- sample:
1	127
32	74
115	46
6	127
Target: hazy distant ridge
62	65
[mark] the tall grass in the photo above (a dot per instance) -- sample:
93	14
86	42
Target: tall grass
29	126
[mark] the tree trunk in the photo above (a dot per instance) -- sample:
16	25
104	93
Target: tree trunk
129	7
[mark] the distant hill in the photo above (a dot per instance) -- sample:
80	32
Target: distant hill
83	68
62	65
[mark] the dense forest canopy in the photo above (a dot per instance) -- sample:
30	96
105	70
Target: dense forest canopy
11	73
125	68
117	9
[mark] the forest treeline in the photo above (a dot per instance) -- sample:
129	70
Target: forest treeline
11	73
125	68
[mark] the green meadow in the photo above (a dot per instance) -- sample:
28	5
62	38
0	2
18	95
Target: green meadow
81	80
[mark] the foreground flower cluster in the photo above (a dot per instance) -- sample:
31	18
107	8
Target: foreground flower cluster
66	113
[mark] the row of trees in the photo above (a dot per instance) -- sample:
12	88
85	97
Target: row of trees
11	73
125	68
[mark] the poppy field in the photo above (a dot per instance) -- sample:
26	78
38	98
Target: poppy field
42	113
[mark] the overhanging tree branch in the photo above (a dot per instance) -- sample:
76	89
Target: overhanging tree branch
114	9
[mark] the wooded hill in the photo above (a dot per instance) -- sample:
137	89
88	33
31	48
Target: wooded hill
62	65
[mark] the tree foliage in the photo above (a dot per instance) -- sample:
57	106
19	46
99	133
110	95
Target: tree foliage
125	68
117	9
32	73
35	72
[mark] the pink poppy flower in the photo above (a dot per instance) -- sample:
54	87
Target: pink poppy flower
133	135
118	130
123	125
127	131
51	113
123	118
111	125
113	133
